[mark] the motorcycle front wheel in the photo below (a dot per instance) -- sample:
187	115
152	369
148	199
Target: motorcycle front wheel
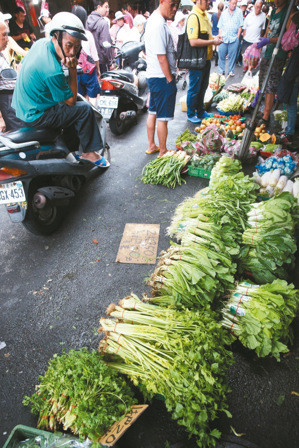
42	221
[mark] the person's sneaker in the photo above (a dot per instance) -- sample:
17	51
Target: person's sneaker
194	119
231	74
205	115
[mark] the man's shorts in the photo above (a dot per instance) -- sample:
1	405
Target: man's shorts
275	74
162	98
89	84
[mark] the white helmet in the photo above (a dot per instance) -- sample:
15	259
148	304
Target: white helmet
68	22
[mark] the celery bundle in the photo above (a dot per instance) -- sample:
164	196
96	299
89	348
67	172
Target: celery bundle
269	241
166	170
179	354
260	316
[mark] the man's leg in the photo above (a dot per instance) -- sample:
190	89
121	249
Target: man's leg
193	91
162	132
269	100
203	88
232	55
222	52
292	111
12	123
82	117
150	127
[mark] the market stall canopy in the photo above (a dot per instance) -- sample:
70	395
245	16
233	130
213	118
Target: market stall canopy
187	4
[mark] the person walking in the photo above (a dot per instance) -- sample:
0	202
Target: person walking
161	70
230	27
198	23
6	86
254	25
20	29
98	26
120	30
271	36
215	30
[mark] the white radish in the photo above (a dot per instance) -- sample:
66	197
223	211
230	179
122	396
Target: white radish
257	178
281	183
296	189
266	178
274	177
270	190
289	187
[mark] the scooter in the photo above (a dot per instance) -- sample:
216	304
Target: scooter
39	176
124	91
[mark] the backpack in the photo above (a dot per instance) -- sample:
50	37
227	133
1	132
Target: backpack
86	63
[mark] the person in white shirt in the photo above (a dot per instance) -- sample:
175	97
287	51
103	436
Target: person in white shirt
254	25
120	30
136	32
161	70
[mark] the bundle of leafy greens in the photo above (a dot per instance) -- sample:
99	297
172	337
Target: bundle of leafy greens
269	241
166	170
194	273
80	393
226	166
179	354
260	316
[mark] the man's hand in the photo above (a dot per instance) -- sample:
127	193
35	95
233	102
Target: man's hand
33	36
262	42
24	36
70	63
217	41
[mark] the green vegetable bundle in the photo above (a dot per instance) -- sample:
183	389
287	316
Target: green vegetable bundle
220	96
269	241
166	170
226	166
179	354
233	103
186	136
194	273
80	393
260	316
205	162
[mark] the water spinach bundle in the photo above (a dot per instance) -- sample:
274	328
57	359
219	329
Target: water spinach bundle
166	170
179	354
260	316
80	393
269	242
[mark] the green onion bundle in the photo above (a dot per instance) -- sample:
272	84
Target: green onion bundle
260	316
166	170
178	354
269	241
80	393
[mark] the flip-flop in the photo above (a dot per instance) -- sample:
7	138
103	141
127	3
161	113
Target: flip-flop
152	152
101	163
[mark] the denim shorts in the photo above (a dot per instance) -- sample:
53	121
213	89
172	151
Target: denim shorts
88	84
162	98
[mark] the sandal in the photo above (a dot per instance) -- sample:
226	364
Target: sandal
101	163
265	122
152	152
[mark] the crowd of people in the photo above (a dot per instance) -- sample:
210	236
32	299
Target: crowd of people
226	29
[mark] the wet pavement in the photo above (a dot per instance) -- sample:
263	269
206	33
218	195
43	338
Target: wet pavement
55	289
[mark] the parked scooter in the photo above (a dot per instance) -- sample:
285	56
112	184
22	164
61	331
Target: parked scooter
124	91
39	175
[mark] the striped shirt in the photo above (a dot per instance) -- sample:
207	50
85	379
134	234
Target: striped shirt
229	25
5	84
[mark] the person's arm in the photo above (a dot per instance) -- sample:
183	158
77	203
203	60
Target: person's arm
15	47
164	64
239	32
19	37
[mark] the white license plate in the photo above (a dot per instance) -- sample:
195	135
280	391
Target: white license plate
110	102
12	192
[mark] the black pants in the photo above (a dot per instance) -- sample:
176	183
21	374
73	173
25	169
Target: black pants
79	118
8	113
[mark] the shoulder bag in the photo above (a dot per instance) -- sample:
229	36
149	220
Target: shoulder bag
189	57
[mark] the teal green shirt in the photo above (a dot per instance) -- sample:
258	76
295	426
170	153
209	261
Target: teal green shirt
274	28
41	83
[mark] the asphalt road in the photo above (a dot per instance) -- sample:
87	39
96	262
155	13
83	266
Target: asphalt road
55	289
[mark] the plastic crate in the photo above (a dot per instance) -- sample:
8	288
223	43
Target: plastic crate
266	154
21	432
199	172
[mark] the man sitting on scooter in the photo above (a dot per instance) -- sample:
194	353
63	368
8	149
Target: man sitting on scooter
44	98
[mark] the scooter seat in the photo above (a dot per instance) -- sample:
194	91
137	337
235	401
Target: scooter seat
42	135
122	75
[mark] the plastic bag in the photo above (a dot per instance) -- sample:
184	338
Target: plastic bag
290	39
211	139
251	57
56	440
251	82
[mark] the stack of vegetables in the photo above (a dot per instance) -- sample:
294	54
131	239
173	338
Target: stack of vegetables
274	182
206	162
166	170
178	354
286	164
187	138
269	243
233	103
260	316
80	393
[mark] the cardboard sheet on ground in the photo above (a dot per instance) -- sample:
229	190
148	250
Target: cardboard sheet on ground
139	244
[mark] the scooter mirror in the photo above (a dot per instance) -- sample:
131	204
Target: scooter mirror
107	44
8	73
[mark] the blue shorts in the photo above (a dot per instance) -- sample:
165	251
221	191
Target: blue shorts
88	84
162	98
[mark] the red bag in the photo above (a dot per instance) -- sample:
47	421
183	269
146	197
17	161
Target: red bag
251	56
86	63
290	39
